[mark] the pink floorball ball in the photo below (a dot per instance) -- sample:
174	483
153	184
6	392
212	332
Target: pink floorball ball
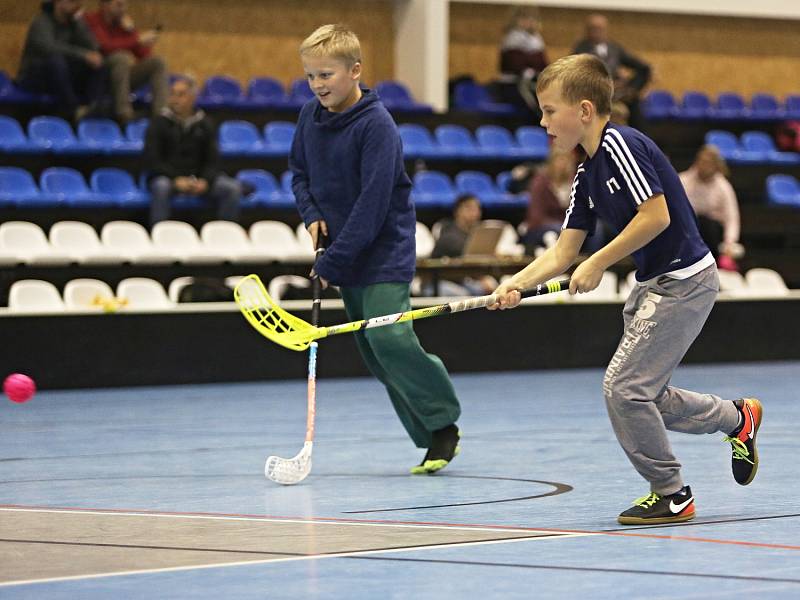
19	388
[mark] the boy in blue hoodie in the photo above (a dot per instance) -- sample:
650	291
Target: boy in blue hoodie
350	185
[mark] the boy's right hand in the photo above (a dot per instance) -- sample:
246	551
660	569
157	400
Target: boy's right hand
508	296
314	230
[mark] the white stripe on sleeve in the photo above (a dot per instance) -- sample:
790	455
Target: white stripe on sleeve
624	145
636	190
572	196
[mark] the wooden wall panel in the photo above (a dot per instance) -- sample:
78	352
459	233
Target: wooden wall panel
245	38
241	38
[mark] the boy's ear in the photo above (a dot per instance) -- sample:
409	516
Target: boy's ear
588	110
355	72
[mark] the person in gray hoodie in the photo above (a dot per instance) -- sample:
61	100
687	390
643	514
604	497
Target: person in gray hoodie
61	57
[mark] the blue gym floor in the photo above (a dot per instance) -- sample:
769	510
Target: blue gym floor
160	493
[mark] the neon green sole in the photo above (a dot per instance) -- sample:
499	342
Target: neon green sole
431	466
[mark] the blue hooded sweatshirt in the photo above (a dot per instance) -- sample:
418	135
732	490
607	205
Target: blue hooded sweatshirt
348	171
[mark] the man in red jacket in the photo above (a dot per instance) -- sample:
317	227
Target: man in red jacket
128	54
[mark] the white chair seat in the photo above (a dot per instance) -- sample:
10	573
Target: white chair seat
132	241
34	295
141	293
276	241
176	285
28	243
230	240
89	295
81	242
425	241
180	240
304	242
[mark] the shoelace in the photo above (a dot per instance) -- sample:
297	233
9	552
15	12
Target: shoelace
647	501
740	451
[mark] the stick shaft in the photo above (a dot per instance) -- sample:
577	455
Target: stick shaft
439	309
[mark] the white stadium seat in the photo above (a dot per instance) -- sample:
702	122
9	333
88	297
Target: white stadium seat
29	243
180	240
275	240
425	241
229	239
88	294
133	242
81	242
141	293
33	295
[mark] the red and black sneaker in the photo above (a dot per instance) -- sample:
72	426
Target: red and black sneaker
744	461
655	508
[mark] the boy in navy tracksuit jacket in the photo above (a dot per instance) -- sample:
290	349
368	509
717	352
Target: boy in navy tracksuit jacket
351	186
630	184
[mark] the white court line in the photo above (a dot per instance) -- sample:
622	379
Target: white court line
222	517
546	535
293	558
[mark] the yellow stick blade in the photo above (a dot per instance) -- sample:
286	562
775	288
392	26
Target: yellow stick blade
269	319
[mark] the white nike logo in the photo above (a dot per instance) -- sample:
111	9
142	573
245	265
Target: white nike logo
676	508
750	412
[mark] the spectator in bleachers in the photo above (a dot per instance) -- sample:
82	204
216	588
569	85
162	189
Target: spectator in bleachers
182	157
129	56
549	198
61	57
451	240
522	57
714	201
627	89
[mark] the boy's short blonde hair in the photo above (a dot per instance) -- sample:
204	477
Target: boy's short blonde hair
336	41
582	77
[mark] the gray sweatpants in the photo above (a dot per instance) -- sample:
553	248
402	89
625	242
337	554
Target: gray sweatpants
662	317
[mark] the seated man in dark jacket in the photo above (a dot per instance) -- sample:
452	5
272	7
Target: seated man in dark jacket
60	57
181	157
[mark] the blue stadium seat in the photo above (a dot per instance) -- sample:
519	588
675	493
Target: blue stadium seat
478	184
792	106
221	91
55	135
659	104
695	106
730	106
534	141
299	93
497	141
286	183
783	190
13	138
765	107
418	141
456	141
68	186
433	189
17	187
240	138
267	92
11	94
728	146
473	97
395	96
267	190
278	136
118	185
104	135
135	132
761	144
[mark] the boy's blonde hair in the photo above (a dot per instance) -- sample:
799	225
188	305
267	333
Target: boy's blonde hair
582	77
336	41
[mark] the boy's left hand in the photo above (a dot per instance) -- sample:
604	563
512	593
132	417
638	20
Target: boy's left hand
586	277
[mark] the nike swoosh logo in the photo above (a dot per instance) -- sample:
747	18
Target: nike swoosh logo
676	508
752	421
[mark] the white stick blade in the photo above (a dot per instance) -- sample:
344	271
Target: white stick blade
288	471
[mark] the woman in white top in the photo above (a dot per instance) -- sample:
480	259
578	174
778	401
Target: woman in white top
714	201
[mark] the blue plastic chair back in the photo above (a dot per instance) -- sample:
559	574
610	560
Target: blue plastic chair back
730	101
394	92
263	181
534	140
113	181
51	132
659	104
16	185
11	134
764	105
455	138
135	131
221	87
63	181
494	136
468	95
695	105
286	181
239	136
757	141
300	92
725	141
279	134
476	183
100	133
265	88
783	190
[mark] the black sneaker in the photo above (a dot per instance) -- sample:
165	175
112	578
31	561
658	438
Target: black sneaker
444	447
654	508
744	461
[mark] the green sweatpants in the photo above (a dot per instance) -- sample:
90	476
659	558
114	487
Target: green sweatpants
417	382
